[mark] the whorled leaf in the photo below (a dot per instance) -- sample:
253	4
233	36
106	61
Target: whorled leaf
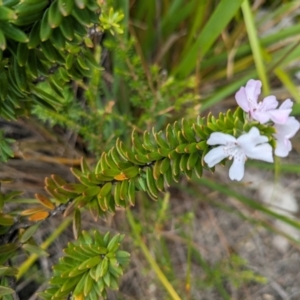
91	264
39	35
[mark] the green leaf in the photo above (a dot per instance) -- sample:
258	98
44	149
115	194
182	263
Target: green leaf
113	242
54	101
9	248
106	238
67	29
221	16
54	17
13	32
120	254
7	14
81	3
88	264
4	290
58	40
74	187
12	195
102	269
35	250
91	191
29	7
2	40
115	269
131	171
76	272
22	54
111	172
34	36
124	190
45	29
192	160
107	279
28	233
69	284
160	140
105	189
80	285
165	165
8	271
20	76
152	189
84	166
168	177
131	192
77	223
111	162
65	7
117	192
138	146
51	53
170	137
82	16
87	237
6	220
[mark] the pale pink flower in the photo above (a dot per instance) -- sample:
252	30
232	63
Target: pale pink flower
284	132
264	111
281	115
251	144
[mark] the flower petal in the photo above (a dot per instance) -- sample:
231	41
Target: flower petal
269	103
286	104
280	116
237	169
247	96
261	152
261	114
219	138
214	156
253	87
287	130
283	133
283	147
261	117
242	100
251	139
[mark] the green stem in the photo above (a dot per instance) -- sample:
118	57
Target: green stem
163	279
255	47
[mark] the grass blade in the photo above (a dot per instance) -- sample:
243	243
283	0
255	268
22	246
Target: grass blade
213	28
254	43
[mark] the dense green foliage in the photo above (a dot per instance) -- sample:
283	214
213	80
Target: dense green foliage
90	264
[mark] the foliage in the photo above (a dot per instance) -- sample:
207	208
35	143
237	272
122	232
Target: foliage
5	149
90	264
43	40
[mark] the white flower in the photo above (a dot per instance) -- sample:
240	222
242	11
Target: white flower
284	132
251	144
